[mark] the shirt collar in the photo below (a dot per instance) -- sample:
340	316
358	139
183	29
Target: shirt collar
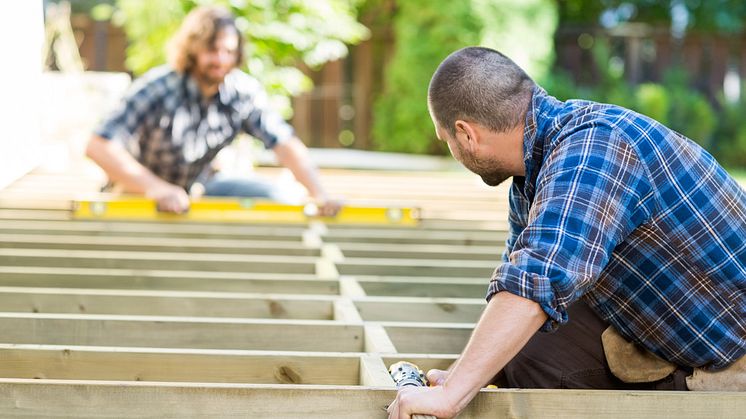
537	133
224	94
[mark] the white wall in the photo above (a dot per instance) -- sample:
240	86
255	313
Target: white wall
21	40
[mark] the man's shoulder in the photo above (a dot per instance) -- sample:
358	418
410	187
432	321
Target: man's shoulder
156	81
243	84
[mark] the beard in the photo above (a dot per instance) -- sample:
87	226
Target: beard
490	170
207	76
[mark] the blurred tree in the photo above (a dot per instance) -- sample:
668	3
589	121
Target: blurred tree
281	34
401	120
425	32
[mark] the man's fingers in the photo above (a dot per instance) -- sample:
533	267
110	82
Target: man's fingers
436	377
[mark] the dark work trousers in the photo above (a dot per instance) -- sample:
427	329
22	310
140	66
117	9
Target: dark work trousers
573	357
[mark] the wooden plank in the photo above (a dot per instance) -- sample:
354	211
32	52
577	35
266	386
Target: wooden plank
177	365
421	251
424	286
167	303
416	236
350	288
416	267
373	372
156	244
145	260
101	399
434	338
180	332
153	229
377	340
345	311
56	277
446	310
35	214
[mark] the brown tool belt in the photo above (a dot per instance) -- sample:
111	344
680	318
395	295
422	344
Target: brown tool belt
633	364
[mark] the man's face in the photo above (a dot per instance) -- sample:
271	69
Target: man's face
214	62
491	169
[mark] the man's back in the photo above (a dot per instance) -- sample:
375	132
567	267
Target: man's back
644	222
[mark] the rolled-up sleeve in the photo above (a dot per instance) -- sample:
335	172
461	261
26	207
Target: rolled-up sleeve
589	197
261	121
125	119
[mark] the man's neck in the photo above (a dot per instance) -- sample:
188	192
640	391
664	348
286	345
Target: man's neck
207	90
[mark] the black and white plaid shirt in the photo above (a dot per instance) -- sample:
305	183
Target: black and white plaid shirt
166	124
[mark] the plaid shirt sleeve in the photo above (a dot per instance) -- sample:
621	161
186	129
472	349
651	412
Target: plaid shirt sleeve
122	123
590	194
261	121
516	218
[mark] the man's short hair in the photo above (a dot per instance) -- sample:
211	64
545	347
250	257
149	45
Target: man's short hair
481	85
199	30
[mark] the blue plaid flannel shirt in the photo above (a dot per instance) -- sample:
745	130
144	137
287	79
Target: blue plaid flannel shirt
636	219
166	124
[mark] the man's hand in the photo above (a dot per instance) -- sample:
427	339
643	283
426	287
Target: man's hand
170	198
423	401
328	207
437	377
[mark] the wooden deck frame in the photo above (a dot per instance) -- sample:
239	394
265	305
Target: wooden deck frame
68	398
411	304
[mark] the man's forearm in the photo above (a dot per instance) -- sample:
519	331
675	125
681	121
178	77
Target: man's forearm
505	327
120	166
294	155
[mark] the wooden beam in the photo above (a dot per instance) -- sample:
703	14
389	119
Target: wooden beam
166	303
421	251
416	267
180	332
56	277
416	236
100	399
120	228
377	340
345	311
424	287
373	372
408	309
423	338
157	260
350	288
156	244
204	365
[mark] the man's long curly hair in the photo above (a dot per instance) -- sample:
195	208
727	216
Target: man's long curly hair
199	30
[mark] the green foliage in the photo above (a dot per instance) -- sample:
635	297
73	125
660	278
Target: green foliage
280	33
402	122
652	99
691	112
426	32
672	103
730	136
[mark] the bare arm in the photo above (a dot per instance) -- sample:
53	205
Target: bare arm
123	169
505	327
293	154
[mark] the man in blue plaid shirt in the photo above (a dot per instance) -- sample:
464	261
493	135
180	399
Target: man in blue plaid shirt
627	241
175	119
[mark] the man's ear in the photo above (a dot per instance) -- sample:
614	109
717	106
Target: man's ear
468	134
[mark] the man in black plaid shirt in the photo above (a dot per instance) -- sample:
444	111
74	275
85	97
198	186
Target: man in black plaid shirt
165	133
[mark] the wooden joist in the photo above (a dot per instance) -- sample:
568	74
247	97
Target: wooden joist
180	332
57	277
157	260
102	399
166	303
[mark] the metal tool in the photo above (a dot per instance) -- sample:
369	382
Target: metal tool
407	374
